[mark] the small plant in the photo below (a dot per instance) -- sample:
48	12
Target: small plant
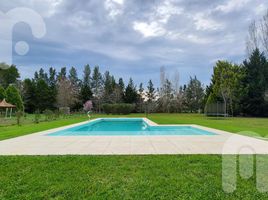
19	115
57	114
48	115
37	117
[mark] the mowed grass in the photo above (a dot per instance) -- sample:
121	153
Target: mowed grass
240	125
15	130
124	177
119	177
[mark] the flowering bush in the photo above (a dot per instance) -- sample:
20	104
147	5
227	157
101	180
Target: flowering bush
88	106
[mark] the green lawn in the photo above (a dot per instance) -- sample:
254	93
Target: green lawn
245	126
27	128
123	177
118	177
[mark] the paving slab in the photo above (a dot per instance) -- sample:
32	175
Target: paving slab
221	143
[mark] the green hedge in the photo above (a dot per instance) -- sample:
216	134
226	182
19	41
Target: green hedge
119	108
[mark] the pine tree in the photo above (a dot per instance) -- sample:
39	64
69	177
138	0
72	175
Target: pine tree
97	86
52	83
86	93
131	93
150	94
121	87
140	103
255	84
62	74
42	95
194	95
75	87
29	95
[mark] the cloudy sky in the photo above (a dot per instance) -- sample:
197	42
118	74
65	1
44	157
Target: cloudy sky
134	38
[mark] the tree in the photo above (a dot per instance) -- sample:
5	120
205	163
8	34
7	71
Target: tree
8	75
2	93
194	95
42	96
252	41
255	84
226	86
97	87
121	89
150	94
86	93
52	83
13	97
63	73
88	106
109	87
117	95
66	93
75	85
140	102
264	31
166	96
29	95
131	93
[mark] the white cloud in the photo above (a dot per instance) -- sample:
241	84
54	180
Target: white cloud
114	7
164	11
152	29
203	22
232	5
119	1
155	26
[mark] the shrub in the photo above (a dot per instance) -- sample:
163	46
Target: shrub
49	115
19	115
121	108
37	117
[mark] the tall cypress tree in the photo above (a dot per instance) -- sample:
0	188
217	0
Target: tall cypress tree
29	97
131	93
86	93
150	91
255	84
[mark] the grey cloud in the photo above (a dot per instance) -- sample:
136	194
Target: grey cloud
191	34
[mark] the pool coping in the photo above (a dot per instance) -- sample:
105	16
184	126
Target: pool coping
148	121
41	144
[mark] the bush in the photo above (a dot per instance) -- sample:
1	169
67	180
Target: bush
37	117
121	108
49	115
19	115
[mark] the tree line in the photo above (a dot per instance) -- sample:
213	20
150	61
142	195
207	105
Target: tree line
243	88
52	90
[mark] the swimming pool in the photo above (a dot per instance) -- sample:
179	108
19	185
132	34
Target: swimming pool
127	126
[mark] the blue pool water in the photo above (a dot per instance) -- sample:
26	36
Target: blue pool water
126	126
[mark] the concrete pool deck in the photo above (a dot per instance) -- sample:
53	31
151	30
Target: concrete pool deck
222	143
